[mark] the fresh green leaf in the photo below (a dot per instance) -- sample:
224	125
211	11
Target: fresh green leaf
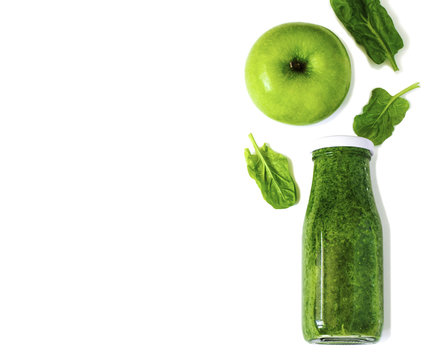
371	26
272	173
381	114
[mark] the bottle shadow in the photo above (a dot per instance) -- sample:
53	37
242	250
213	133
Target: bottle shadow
385	248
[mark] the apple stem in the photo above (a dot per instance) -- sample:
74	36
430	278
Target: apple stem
298	66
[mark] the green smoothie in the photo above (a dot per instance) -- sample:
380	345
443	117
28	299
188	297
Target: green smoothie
342	251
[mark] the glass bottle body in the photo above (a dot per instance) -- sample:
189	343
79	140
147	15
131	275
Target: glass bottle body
342	251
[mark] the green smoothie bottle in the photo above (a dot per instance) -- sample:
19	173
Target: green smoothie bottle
342	295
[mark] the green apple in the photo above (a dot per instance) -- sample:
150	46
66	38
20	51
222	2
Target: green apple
298	73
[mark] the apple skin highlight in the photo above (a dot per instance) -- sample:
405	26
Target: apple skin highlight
298	73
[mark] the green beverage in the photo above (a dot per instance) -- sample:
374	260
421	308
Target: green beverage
342	247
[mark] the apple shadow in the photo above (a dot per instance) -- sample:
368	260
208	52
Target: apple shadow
386	248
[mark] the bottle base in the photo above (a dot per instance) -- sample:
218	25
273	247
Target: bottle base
343	340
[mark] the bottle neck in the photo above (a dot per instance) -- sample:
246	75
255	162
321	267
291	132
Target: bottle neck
341	169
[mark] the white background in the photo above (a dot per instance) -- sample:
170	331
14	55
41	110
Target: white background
129	227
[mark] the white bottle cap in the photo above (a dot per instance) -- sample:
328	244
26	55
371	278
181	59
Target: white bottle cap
344	140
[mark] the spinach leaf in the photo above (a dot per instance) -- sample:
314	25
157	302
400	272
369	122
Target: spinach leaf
371	26
272	173
381	114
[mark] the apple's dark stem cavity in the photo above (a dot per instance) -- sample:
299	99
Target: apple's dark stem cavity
298	66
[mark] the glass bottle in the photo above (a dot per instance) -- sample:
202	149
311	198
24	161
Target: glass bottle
342	247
